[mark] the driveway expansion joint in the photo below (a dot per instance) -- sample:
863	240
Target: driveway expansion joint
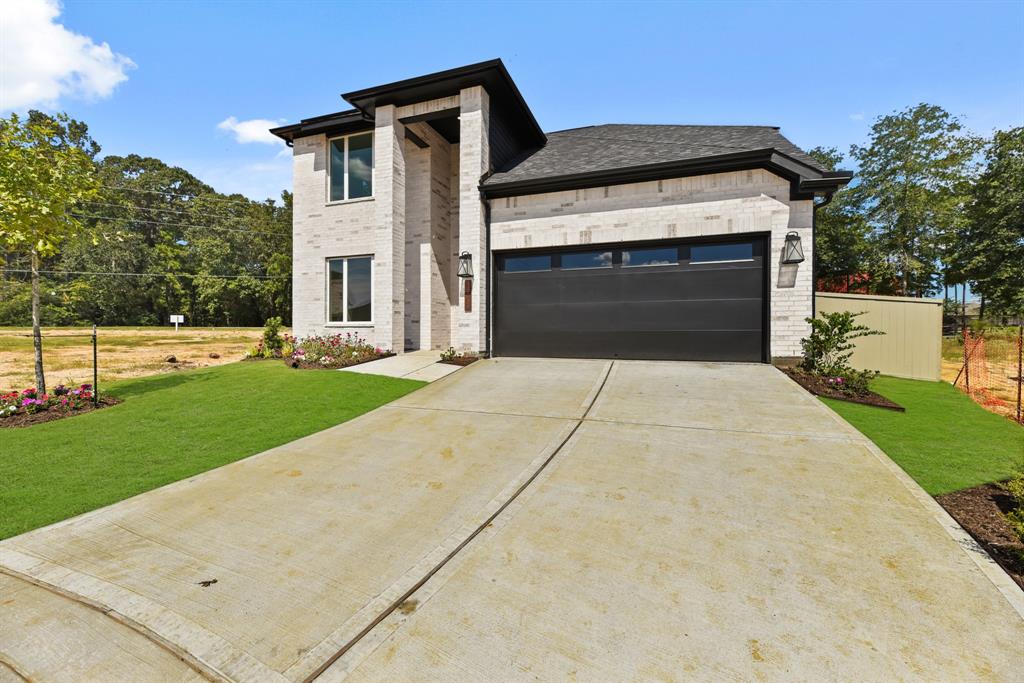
407	595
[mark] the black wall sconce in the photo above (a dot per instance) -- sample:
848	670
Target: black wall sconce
792	252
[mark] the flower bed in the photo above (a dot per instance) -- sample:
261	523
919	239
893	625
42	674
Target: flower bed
28	406
332	352
452	357
839	389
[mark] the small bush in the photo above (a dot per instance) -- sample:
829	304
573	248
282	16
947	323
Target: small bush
1016	517
449	354
828	349
272	341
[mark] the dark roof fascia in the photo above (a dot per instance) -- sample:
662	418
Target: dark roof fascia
491	74
791	169
348	121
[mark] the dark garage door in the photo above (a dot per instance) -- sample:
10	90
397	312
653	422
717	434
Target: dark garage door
667	300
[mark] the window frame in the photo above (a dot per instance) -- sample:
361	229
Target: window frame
344	292
344	165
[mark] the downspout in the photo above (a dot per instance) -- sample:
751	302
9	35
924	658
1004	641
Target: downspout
489	280
814	251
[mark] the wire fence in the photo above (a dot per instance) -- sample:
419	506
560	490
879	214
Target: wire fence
991	371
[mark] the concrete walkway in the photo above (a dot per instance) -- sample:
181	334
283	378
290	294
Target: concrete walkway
421	365
537	519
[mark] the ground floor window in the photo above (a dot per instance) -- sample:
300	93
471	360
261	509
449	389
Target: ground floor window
350	289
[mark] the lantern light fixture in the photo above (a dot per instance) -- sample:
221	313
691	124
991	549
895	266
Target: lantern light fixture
792	252
465	264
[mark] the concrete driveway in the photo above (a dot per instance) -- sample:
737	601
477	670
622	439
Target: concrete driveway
551	519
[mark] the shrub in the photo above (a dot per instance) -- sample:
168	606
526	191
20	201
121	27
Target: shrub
272	341
828	349
449	354
1016	488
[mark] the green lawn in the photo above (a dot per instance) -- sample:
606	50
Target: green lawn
945	441
170	427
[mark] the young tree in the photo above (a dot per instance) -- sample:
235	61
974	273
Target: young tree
991	244
46	170
915	174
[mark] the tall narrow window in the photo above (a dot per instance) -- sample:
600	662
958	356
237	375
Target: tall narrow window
350	289
350	174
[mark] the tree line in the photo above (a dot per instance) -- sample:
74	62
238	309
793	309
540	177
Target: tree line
932	206
133	239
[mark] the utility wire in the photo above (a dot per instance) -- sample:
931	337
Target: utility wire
83	272
136	207
182	194
179	225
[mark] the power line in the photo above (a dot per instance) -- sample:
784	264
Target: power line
182	194
136	207
179	225
83	272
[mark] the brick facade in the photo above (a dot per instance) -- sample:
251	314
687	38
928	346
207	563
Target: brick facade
426	210
699	206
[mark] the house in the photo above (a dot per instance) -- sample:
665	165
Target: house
610	241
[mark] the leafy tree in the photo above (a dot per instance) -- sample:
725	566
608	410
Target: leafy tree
842	235
990	249
46	172
914	177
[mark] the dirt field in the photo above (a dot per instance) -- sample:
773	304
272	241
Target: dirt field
123	352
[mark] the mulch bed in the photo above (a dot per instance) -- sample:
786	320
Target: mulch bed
820	387
461	361
29	419
981	511
306	365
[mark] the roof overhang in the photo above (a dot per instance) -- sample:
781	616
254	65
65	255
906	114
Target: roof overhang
338	123
492	75
806	182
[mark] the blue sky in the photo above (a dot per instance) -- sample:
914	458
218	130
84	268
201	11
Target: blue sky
180	79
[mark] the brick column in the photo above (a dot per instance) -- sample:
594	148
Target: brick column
474	162
389	257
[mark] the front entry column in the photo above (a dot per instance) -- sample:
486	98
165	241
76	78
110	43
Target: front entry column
389	258
474	162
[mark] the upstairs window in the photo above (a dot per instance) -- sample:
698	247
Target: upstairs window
350	174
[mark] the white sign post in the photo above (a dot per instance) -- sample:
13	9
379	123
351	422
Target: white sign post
177	319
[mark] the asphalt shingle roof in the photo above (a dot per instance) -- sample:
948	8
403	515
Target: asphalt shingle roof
619	146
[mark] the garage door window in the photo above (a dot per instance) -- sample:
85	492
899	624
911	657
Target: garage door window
587	259
719	253
527	264
663	256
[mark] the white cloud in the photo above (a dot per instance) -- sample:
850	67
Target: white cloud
857	117
42	61
252	130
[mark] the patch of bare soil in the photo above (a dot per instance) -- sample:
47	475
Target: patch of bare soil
29	419
820	387
981	511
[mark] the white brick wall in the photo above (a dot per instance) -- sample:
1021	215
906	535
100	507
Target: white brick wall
716	204
322	231
474	159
